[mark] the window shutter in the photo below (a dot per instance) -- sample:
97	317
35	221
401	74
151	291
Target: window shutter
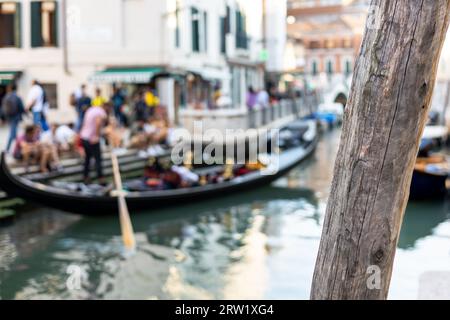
36	24
18	26
205	31
195	30
55	22
238	28
223	45
227	25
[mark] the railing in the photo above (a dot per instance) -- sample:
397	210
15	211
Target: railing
299	108
238	118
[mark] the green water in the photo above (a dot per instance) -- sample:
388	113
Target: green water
255	245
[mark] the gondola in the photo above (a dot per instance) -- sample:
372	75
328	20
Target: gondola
431	171
429	178
98	205
428	185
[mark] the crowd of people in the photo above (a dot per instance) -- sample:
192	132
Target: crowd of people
257	97
161	174
39	142
98	119
104	121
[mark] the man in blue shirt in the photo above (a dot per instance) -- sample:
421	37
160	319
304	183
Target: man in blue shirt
13	109
83	102
118	101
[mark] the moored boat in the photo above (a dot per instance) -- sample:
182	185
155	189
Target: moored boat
429	178
329	115
95	204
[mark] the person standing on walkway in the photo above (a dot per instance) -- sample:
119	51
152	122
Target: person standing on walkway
263	98
251	101
98	100
37	105
140	108
252	98
13	110
118	101
152	101
94	120
82	103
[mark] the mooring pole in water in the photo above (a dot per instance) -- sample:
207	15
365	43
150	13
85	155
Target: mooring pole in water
384	121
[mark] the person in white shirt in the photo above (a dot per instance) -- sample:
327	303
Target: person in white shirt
263	98
61	136
50	145
37	104
65	137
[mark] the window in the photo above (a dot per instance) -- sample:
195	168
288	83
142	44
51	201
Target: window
224	30
199	21
315	45
10	24
347	43
314	68
44	24
329	43
228	21
51	92
241	31
348	67
223	36
330	67
195	18
177	24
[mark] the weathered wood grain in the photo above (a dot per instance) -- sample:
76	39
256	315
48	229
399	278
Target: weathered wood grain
385	118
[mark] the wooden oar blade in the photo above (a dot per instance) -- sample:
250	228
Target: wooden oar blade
124	216
126	226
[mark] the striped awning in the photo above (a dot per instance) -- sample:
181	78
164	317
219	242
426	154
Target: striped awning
7	77
126	75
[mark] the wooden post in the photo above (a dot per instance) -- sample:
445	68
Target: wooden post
384	121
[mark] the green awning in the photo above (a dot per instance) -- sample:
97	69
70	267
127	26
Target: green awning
7	77
127	75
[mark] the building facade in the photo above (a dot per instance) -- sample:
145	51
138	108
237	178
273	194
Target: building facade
185	49
324	38
328	33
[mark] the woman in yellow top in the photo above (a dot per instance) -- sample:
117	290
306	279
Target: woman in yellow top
152	101
99	100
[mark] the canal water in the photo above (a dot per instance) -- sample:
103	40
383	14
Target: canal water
261	244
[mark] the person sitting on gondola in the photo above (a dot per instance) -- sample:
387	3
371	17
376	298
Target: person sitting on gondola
153	169
171	179
228	172
66	138
28	149
163	175
187	177
161	130
114	133
49	142
140	136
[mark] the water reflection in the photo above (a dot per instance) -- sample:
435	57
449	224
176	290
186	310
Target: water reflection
254	245
421	220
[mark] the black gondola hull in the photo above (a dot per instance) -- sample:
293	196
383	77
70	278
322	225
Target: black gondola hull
143	201
426	186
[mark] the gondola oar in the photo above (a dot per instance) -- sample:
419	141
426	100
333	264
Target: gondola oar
125	221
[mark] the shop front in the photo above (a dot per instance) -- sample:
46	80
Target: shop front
164	85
